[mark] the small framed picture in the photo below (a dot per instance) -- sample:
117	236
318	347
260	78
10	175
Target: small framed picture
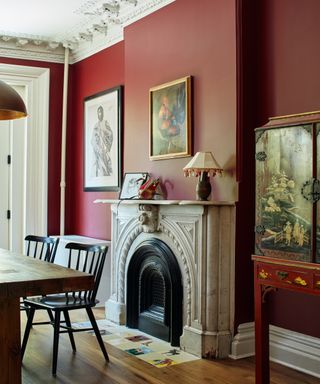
131	184
102	140
170	120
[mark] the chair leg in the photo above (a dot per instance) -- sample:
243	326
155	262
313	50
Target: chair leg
27	330
70	333
50	315
27	309
97	332
56	341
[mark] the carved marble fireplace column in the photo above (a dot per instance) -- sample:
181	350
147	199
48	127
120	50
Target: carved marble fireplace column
201	236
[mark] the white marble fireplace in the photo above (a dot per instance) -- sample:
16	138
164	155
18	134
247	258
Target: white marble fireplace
201	237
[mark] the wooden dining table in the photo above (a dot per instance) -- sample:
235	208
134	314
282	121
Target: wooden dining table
22	276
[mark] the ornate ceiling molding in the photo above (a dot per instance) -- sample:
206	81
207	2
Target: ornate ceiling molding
102	24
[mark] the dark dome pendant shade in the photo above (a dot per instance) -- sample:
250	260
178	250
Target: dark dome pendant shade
11	103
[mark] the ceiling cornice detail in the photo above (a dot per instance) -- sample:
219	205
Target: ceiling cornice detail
102	26
33	54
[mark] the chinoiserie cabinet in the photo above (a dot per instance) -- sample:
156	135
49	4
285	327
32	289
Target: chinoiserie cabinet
288	188
287	234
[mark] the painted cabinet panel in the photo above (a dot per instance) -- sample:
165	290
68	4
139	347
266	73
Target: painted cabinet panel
287	188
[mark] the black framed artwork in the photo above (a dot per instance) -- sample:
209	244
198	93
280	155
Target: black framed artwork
102	140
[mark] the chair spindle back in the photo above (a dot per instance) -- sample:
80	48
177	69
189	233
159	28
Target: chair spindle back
89	258
42	247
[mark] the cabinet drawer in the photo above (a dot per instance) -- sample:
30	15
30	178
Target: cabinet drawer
286	276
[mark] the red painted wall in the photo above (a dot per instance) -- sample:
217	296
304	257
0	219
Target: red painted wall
156	51
55	116
290	83
290	30
184	38
102	71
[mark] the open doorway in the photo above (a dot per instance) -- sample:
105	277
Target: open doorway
24	159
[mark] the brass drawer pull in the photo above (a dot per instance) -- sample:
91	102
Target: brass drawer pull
282	275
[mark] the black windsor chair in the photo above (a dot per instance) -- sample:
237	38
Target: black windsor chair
82	257
42	248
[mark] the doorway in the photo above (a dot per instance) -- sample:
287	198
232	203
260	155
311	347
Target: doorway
24	159
13	181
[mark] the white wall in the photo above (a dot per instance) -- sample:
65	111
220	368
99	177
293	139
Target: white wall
104	290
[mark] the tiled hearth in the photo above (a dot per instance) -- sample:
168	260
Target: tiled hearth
201	236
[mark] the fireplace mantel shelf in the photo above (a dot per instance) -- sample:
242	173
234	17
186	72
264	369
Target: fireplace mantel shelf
164	202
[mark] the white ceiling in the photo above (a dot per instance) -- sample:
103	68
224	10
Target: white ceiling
46	27
40	18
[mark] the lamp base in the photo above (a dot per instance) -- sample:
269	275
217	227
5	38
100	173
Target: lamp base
203	187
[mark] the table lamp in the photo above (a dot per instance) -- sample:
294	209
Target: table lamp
11	103
202	165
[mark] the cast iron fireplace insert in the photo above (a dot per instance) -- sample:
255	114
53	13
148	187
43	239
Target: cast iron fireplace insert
154	292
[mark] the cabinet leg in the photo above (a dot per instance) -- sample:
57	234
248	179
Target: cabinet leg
261	336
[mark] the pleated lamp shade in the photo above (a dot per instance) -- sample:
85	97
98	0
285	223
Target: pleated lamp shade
202	162
11	103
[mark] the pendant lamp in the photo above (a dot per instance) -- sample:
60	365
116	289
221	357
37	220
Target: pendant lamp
11	103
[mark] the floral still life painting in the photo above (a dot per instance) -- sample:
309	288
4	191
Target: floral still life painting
170	119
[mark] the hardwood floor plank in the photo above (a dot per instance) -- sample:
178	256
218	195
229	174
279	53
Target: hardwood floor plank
87	365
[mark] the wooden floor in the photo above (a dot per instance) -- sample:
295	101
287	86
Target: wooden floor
87	365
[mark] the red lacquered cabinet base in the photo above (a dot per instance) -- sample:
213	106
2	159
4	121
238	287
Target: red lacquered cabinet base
269	275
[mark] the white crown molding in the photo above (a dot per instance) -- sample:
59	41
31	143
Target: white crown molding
292	349
33	53
99	43
81	45
115	32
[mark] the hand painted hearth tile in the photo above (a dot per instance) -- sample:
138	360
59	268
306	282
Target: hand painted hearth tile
141	350
162	363
138	338
156	352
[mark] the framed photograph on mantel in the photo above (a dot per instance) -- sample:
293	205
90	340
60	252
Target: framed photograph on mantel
131	184
170	119
102	140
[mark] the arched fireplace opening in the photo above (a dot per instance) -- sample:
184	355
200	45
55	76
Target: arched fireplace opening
154	292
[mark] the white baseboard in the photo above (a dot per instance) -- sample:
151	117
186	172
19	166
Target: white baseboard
292	349
243	342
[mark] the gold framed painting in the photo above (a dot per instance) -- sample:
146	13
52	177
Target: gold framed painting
170	119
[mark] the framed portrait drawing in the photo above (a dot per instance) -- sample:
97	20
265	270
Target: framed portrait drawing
131	184
102	140
170	119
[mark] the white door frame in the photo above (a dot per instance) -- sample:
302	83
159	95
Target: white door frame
36	82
